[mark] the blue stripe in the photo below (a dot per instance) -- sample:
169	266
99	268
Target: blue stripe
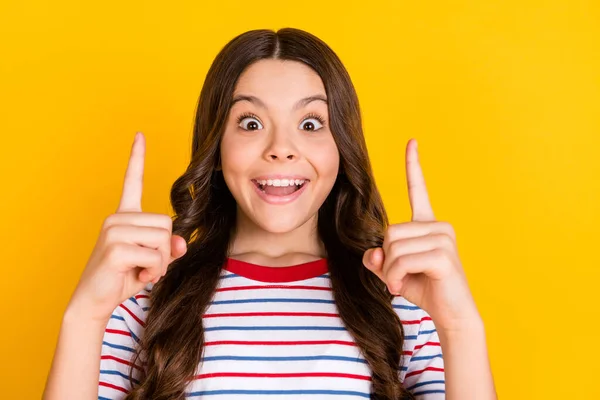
276	328
426	332
425	357
229	276
133	335
110	372
280	392
103	398
404	307
410	337
416	385
428	392
279	300
145	308
295	358
129	330
134	300
116	346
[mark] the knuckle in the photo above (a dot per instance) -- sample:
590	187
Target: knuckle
445	241
439	252
110	233
114	252
388	239
166	221
448	229
387	235
165	235
109	221
443	255
400	262
395	247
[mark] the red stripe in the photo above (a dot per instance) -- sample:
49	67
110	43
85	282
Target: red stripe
119	360
110	385
260	343
416	322
118	332
288	375
226	289
141	296
419	346
297	314
407	353
272	314
413	373
139	321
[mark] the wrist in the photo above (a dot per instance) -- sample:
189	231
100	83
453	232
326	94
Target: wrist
75	313
468	328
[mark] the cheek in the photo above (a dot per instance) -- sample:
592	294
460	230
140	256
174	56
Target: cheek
235	156
325	159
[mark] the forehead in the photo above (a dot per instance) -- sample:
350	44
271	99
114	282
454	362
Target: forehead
279	83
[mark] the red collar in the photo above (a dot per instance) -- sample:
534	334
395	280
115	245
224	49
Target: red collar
289	273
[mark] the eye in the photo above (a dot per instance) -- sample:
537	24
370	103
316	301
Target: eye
251	125
311	126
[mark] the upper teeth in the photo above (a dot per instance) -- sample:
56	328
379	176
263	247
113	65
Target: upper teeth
281	182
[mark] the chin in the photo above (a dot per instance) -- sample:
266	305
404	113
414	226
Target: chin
280	224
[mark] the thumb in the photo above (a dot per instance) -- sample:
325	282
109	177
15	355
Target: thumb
178	247
373	260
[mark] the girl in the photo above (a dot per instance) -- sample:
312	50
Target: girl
279	275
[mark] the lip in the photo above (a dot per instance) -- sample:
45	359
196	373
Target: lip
279	176
280	200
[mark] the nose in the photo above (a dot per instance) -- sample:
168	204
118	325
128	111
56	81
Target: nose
280	147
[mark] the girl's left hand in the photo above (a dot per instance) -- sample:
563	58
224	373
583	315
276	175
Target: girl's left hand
419	259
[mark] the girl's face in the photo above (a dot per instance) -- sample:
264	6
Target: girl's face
278	156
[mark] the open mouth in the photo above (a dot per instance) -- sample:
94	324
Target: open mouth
279	187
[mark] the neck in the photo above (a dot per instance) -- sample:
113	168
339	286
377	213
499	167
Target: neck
284	248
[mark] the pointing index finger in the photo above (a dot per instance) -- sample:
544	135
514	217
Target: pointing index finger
131	198
417	190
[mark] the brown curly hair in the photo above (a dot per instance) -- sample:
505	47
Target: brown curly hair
351	220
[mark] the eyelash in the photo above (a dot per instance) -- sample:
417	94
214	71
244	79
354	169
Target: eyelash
310	115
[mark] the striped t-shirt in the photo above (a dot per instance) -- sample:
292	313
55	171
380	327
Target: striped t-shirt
274	332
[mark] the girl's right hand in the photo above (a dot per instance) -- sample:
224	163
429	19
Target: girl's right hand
133	249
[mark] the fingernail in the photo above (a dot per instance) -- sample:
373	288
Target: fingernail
137	136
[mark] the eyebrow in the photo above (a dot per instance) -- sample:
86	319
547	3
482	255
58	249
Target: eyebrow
301	103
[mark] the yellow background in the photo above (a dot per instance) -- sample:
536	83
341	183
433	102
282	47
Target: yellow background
503	96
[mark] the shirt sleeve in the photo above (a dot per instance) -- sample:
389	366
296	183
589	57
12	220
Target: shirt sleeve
121	336
424	369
